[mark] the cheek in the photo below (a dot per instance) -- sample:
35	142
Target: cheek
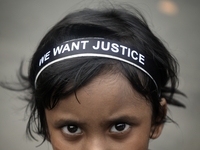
138	139
140	144
58	142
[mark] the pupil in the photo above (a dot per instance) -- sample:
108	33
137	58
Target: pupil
120	127
72	128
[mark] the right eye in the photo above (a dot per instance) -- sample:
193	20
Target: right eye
71	130
120	128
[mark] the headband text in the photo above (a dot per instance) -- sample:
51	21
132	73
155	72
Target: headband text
93	46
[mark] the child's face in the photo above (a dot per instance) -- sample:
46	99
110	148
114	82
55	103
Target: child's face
109	115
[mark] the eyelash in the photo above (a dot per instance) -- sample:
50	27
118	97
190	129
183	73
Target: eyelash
75	130
122	127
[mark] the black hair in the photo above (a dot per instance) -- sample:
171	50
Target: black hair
64	78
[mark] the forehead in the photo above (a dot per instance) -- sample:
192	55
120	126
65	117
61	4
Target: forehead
105	96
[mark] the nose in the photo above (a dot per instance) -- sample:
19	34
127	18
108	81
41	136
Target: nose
95	143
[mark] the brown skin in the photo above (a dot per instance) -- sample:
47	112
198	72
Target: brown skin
109	115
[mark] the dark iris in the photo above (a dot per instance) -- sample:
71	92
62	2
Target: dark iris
72	128
120	126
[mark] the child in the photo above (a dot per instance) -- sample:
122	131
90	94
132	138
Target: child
100	79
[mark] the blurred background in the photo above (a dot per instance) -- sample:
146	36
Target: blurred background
24	22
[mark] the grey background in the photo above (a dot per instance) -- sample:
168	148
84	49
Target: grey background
24	22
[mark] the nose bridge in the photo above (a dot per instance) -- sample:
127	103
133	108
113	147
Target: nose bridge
97	142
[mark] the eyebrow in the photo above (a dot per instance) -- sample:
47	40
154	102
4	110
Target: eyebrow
124	118
63	122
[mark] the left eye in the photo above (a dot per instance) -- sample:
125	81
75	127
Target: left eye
120	127
72	130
